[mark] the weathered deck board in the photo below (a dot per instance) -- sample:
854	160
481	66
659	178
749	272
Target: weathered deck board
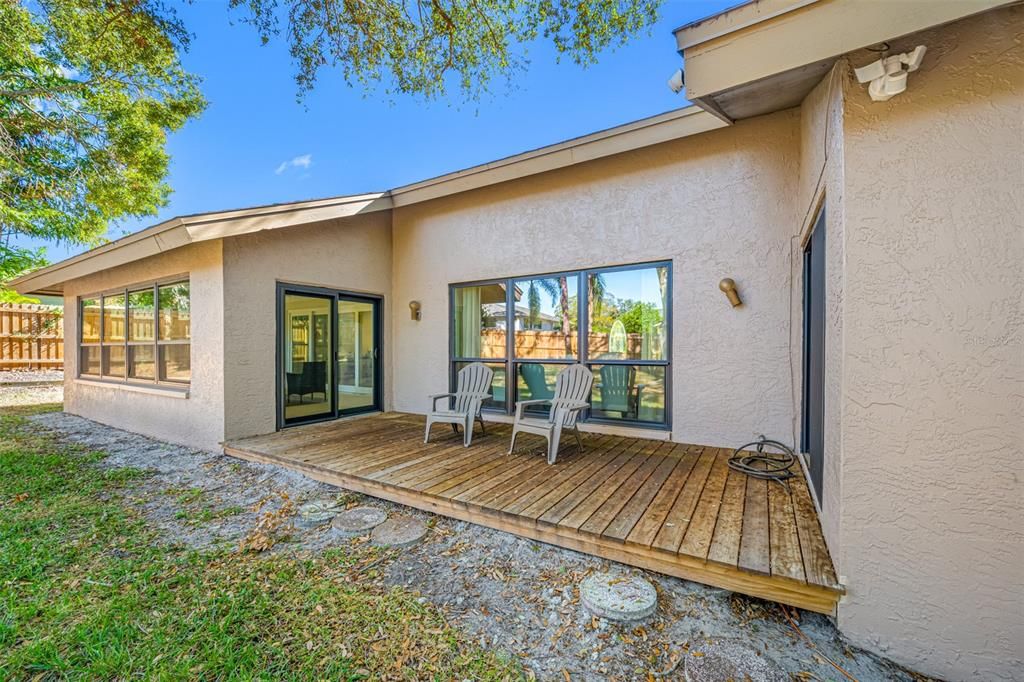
673	508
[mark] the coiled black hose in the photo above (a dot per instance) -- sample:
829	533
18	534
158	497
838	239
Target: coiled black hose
771	466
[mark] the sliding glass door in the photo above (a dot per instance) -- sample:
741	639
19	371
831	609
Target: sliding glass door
357	355
328	354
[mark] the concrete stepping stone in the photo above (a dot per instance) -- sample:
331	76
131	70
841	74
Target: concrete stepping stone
358	521
618	597
399	531
729	660
318	511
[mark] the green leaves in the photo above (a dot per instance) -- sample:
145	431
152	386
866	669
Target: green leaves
89	90
427	47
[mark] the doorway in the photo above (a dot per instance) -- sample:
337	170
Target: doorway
328	360
813	409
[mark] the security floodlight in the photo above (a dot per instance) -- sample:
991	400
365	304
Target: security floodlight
887	76
675	83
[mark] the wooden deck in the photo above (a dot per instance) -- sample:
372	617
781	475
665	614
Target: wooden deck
673	508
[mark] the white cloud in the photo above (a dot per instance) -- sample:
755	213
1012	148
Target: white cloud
303	161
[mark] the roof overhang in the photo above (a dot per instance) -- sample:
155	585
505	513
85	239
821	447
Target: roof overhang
766	55
181	231
671	125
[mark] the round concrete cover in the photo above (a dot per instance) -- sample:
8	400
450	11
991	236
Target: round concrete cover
399	531
319	511
729	660
618	597
358	521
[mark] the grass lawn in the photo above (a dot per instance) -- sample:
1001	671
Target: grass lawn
87	592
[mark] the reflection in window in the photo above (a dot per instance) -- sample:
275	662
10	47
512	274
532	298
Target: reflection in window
90	320
141	364
626	343
175	363
119	339
498	384
545	318
175	318
113	318
629	392
537	381
627	310
141	316
479	324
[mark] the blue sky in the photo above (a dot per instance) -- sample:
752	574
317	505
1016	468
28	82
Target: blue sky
256	145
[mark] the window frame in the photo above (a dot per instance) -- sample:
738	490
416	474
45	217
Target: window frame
127	343
511	362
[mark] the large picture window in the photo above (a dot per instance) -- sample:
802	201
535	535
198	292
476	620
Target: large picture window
614	320
139	334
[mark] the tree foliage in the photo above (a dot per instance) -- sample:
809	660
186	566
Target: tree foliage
424	47
89	90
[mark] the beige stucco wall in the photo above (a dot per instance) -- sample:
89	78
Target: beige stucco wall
932	527
351	254
821	184
717	205
197	420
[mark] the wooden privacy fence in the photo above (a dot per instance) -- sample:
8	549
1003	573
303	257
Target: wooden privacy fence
31	336
550	345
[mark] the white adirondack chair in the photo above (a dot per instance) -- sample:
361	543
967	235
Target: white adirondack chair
472	388
572	386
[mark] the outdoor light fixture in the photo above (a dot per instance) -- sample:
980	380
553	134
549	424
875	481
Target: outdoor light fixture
414	309
887	77
675	83
728	286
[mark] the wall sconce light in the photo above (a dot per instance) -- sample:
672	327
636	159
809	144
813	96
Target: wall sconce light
728	286
414	309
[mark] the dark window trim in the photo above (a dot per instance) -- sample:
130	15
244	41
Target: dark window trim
583	342
126	343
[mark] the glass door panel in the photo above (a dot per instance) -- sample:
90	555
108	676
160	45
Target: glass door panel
357	355
306	356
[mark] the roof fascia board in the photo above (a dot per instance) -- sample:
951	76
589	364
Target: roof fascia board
804	35
46	281
733	19
189	229
215	227
669	126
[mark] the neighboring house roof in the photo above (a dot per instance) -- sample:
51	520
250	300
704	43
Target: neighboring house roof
183	230
521	311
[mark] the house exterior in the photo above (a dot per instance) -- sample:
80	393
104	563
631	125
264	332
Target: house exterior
877	248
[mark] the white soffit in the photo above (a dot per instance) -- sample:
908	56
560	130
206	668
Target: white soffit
767	38
178	232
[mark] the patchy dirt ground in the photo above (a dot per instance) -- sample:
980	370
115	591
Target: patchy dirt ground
512	594
19	387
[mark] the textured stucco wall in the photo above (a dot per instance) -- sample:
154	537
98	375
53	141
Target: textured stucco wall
932	538
196	421
821	180
351	254
717	205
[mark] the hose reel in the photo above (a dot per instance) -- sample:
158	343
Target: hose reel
771	465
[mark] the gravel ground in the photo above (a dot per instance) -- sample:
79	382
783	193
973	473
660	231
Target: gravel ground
22	376
509	593
22	393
